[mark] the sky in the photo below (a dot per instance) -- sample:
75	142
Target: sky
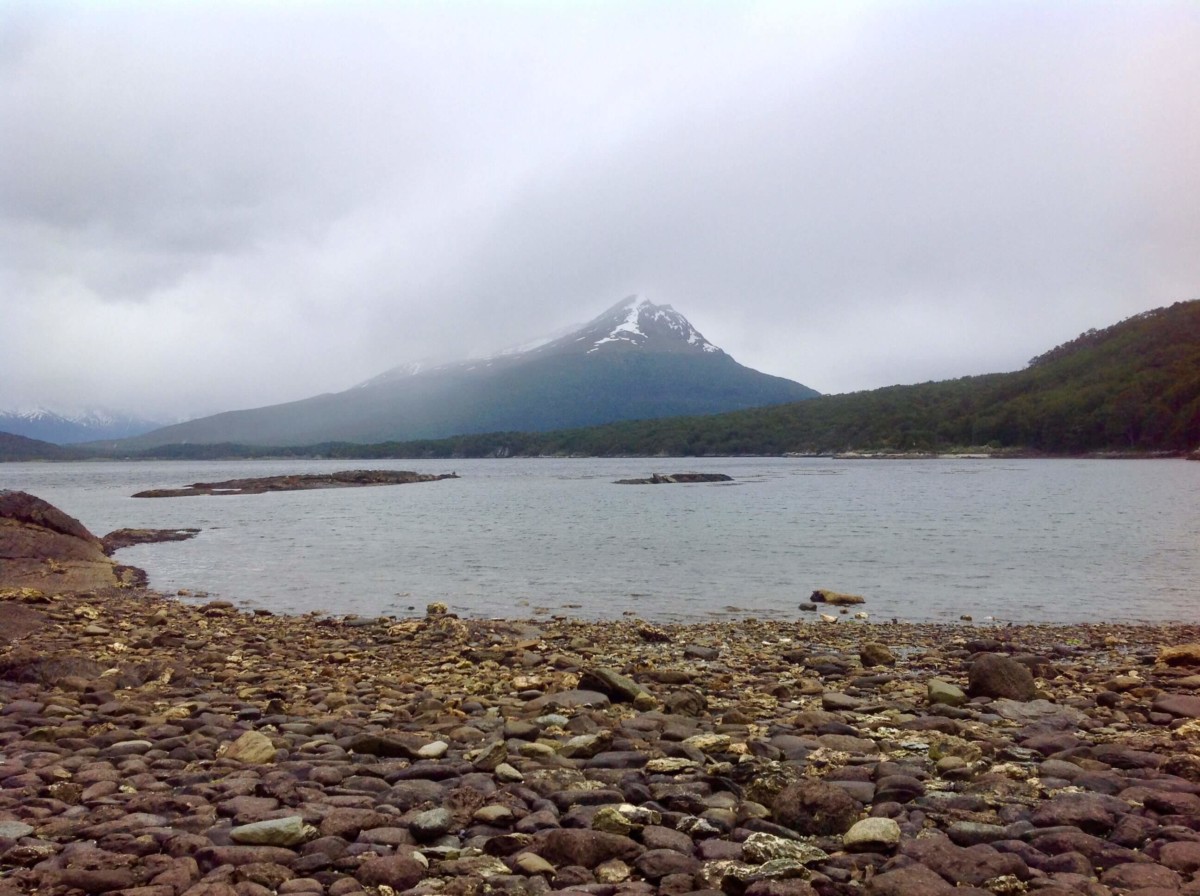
209	206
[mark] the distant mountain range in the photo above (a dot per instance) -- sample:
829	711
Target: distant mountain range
72	429
1130	389
635	361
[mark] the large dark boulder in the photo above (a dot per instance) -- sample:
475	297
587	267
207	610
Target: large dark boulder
815	808
585	848
993	675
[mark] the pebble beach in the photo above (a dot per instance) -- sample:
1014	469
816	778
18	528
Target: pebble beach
155	747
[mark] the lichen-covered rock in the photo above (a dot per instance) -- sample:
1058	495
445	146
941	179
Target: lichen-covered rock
872	835
252	747
620	688
761	848
872	653
942	692
1180	655
289	831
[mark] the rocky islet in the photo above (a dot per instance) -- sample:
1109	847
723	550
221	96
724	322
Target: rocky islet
296	482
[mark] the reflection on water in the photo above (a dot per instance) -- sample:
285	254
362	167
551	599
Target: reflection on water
923	540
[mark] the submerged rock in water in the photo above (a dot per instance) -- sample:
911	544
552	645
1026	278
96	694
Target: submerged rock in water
674	478
836	598
124	538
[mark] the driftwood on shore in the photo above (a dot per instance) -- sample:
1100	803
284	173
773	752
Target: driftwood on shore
298	482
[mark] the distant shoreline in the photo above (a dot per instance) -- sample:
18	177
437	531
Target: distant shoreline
788	455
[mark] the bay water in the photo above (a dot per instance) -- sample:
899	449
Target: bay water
922	540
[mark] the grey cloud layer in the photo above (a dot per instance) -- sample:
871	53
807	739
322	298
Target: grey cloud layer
226	206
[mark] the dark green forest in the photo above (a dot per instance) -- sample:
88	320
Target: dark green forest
1132	388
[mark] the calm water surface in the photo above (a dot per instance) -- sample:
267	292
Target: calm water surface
1062	541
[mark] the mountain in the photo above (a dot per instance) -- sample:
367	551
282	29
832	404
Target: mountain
71	429
637	360
17	448
1130	388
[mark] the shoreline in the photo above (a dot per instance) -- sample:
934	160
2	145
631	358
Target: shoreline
175	748
965	454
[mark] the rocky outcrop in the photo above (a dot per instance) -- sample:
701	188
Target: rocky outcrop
22	507
45	549
295	483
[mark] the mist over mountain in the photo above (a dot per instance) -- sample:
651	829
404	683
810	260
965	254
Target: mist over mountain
635	361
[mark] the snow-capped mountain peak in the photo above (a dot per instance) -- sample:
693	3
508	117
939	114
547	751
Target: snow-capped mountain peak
639	322
632	323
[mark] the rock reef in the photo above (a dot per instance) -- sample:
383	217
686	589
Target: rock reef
675	478
125	538
298	482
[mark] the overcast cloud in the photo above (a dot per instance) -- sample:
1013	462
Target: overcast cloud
211	206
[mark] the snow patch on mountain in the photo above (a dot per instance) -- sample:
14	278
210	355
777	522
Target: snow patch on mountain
642	318
627	330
